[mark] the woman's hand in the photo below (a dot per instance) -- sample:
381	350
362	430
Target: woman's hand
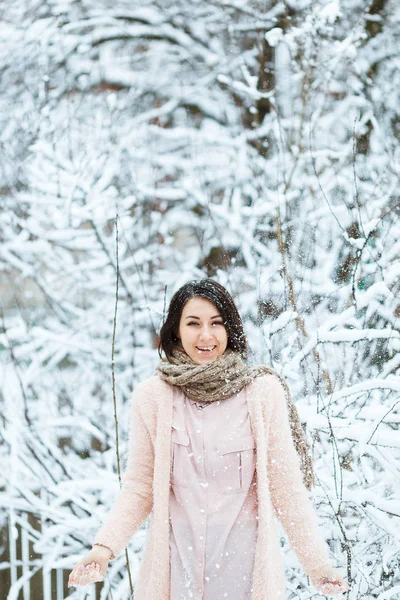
91	567
328	581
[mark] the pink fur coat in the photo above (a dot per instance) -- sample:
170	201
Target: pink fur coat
280	490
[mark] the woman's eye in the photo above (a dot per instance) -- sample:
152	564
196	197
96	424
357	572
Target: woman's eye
215	323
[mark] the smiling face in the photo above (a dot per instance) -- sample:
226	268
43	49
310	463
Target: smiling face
201	326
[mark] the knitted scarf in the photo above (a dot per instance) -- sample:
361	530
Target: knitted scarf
226	375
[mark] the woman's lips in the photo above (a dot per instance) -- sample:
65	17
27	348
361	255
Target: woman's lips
205	351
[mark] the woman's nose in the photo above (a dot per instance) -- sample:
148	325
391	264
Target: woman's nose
205	332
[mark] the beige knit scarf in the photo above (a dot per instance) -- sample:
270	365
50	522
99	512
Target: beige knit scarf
226	375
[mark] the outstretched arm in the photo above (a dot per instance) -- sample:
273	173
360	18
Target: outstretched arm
135	499
289	496
291	500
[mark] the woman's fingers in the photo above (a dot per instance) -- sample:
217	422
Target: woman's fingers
84	574
87	574
333	586
332	589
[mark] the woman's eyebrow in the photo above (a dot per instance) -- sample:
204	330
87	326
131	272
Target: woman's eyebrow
194	317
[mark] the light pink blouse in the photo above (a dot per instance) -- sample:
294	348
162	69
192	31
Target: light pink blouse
213	499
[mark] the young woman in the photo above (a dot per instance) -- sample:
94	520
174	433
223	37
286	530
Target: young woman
216	450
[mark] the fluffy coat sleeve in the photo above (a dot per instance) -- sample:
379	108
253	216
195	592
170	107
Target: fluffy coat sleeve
289	496
135	500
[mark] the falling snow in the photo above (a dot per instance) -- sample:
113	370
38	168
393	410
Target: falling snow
257	145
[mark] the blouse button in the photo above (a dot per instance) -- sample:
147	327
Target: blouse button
202	537
202	510
198	430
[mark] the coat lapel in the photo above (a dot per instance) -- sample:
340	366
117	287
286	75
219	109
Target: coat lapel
268	577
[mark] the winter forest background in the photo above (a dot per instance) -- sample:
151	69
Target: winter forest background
255	142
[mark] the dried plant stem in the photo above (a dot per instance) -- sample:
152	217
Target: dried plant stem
113	386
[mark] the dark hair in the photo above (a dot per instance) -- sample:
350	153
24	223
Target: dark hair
214	292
